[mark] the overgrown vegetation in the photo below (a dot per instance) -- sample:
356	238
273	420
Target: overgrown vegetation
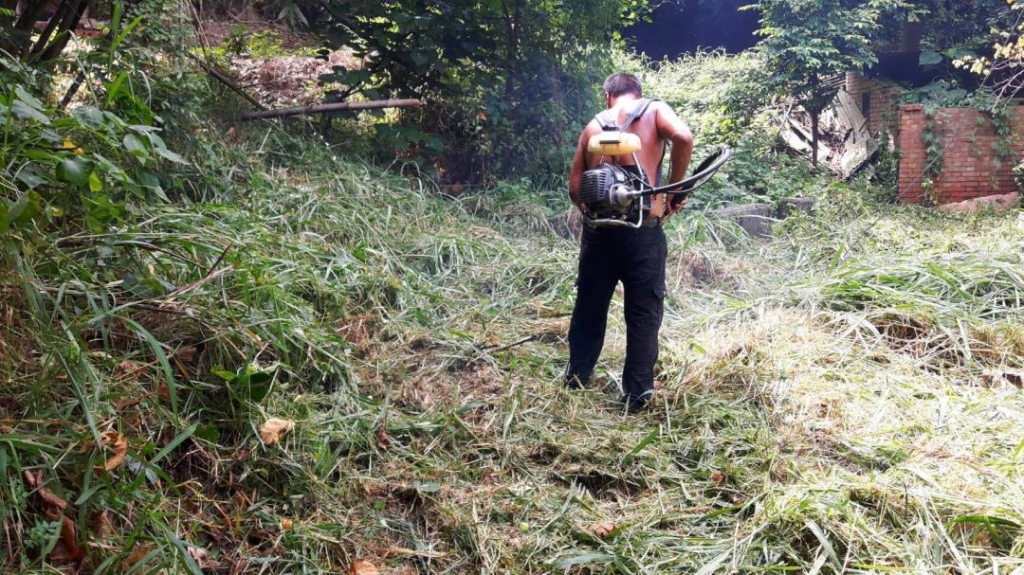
244	354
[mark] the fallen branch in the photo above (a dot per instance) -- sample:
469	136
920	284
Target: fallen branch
493	349
335	107
226	81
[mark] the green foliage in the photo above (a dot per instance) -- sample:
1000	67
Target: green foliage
758	173
17	28
83	165
945	24
241	41
722	99
714	92
509	83
1018	176
808	41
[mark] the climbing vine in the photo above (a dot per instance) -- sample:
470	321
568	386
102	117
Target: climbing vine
944	95
934	161
1001	118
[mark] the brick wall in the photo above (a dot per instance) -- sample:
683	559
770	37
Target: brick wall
877	101
971	166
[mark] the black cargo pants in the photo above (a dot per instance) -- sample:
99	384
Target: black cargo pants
636	257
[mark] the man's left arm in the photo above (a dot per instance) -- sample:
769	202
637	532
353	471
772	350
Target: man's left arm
673	129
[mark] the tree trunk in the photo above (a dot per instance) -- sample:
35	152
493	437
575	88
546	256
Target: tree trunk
335	107
815	114
44	37
67	25
513	13
18	36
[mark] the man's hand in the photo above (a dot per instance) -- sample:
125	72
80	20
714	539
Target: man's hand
676	204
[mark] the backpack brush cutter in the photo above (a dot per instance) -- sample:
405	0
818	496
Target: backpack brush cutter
615	196
612	194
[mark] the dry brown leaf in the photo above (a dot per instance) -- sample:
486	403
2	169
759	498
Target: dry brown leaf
362	568
5	429
119	444
274	429
186	354
603	529
100	524
382	436
35	481
994	377
67	549
139	551
287	524
130	370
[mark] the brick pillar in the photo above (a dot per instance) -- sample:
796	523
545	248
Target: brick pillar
912	154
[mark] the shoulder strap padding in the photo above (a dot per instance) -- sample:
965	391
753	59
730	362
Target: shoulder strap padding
608	121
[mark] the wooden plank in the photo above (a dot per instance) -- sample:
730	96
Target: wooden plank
852	116
335	107
856	155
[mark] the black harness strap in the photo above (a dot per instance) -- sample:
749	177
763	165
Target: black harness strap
608	122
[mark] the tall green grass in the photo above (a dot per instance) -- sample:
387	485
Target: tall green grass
843	398
840	399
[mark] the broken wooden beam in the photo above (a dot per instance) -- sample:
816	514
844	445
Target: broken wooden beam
213	72
335	107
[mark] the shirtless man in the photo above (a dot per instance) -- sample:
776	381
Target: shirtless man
636	257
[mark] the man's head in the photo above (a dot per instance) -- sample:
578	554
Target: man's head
621	84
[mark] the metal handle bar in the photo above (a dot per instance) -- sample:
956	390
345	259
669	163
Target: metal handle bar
705	170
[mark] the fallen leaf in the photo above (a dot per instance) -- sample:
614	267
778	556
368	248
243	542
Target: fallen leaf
138	553
67	549
35	481
287	524
186	354
603	529
128	369
100	524
274	429
5	429
362	568
382	437
1002	376
119	444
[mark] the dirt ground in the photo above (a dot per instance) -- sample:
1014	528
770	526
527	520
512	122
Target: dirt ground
278	81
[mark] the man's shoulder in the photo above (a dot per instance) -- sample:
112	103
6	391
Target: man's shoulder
657	105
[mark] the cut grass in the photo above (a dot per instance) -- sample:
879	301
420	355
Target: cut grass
829	402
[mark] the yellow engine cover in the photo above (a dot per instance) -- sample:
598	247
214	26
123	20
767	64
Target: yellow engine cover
613	143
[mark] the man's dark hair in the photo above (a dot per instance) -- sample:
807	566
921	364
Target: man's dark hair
621	83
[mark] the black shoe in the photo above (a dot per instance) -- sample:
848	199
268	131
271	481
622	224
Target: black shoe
637	404
574	382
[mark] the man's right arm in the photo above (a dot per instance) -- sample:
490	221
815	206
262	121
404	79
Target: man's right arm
673	129
579	165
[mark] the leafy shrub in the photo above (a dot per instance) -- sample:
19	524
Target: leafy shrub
1018	176
713	92
98	157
